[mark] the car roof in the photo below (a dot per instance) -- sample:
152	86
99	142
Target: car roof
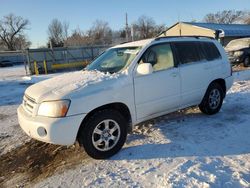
141	43
134	43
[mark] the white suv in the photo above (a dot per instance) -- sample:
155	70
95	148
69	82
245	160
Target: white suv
126	85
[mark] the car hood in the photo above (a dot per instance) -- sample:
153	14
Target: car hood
59	86
234	48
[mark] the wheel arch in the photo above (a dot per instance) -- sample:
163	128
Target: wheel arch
204	104
120	107
222	83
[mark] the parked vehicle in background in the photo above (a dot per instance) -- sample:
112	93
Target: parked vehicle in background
128	84
238	51
6	63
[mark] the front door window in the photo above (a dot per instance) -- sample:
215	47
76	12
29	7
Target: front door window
159	56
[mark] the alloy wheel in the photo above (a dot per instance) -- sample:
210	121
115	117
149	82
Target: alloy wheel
106	135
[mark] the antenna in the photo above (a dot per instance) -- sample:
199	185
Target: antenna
132	32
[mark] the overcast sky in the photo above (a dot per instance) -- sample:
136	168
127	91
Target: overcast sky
81	14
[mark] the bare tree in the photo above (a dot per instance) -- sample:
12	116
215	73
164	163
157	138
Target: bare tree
144	27
57	32
247	18
2	46
11	31
78	38
159	29
225	17
21	42
65	30
247	21
100	33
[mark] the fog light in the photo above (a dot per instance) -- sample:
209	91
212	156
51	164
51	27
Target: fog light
41	131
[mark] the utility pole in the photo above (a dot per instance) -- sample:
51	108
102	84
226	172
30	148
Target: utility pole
132	33
126	27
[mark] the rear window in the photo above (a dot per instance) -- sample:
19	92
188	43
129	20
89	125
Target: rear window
191	52
210	51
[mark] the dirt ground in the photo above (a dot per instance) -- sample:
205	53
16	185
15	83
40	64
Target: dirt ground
36	161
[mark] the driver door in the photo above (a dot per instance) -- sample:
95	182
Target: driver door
159	92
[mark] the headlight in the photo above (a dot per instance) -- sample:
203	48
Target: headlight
54	108
238	53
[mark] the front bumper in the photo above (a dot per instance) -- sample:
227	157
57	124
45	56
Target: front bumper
62	131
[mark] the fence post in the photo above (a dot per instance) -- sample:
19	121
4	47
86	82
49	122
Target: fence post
36	69
29	64
25	62
45	67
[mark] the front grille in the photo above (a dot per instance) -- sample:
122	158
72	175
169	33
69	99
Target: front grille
28	104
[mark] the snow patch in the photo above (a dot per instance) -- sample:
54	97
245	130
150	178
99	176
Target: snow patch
241	75
78	80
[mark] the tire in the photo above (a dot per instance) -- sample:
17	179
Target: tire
104	134
213	99
246	62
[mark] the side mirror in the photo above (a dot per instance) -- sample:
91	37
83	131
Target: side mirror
144	69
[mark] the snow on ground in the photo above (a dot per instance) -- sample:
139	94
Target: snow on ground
187	149
183	149
11	92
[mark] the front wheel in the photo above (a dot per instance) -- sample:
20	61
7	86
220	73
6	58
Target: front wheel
212	101
104	134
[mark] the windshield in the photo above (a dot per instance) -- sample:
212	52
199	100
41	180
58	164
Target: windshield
239	43
114	60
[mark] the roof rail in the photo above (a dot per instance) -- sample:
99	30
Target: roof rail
125	42
191	36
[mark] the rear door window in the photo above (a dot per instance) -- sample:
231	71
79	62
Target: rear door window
187	52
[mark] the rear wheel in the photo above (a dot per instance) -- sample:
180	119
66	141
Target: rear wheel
246	62
104	134
212	100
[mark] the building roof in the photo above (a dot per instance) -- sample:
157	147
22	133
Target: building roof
230	30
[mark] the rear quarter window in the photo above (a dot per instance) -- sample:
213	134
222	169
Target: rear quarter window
210	51
191	52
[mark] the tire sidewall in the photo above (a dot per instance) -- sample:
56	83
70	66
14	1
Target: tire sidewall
205	103
85	136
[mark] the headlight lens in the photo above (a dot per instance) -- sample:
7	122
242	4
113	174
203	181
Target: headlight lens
238	53
54	108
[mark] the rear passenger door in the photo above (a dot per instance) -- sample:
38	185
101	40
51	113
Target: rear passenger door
196	72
